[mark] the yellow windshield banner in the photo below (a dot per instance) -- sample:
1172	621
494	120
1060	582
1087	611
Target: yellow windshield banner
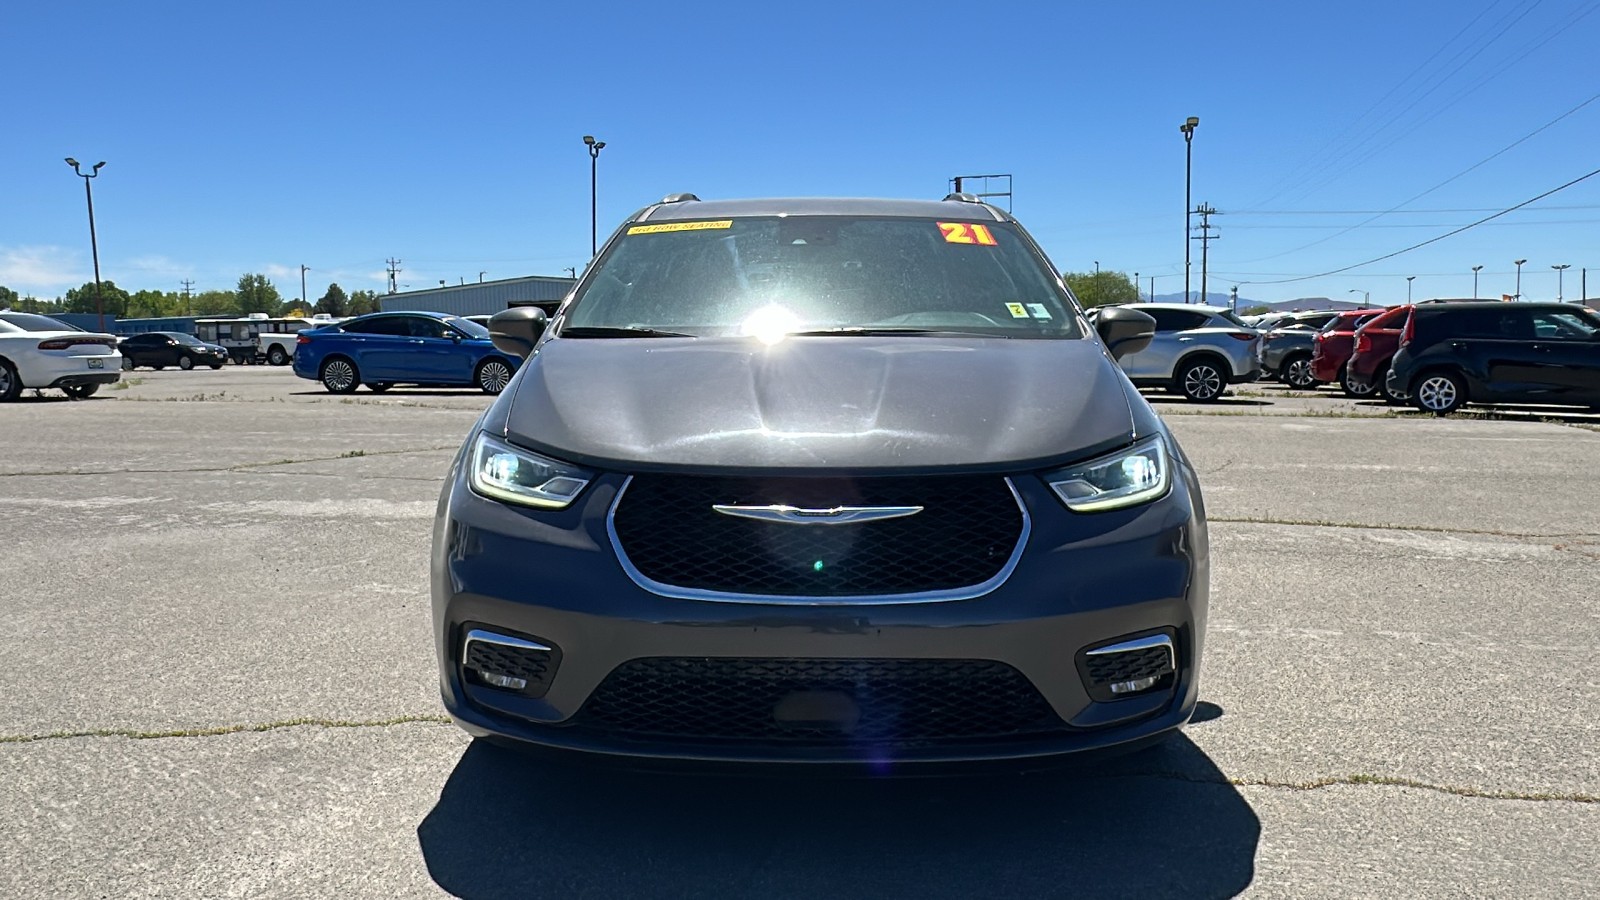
680	226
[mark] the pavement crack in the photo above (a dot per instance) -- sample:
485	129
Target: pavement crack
1365	780
220	730
1367	526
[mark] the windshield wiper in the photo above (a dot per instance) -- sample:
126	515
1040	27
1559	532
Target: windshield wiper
870	331
611	331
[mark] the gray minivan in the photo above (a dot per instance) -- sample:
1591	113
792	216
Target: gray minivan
820	481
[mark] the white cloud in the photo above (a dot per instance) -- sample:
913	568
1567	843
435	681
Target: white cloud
42	271
157	266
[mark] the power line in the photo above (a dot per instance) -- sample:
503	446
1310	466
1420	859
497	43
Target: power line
1441	237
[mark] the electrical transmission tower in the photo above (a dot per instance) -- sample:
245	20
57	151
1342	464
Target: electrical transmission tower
1205	212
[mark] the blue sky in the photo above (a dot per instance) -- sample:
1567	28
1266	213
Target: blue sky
260	137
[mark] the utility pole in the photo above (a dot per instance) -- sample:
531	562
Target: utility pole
1233	301
303	270
1152	289
188	307
1206	237
394	269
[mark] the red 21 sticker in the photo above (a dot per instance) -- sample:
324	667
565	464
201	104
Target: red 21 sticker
963	233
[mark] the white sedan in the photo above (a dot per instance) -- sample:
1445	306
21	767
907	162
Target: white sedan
41	352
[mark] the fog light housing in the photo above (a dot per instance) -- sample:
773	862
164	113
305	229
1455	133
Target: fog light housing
508	662
1129	666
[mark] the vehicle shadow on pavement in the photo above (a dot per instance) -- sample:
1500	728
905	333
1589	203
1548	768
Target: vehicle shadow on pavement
1226	400
1163	822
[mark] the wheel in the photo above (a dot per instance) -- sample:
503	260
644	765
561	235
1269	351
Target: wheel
1384	394
128	364
1200	380
216	365
1440	393
493	375
80	391
185	363
339	376
1297	372
277	356
1357	390
10	384
379	387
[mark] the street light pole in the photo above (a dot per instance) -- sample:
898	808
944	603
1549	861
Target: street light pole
1561	270
1366	296
1475	270
1409	279
1518	295
94	243
303	270
594	161
1187	128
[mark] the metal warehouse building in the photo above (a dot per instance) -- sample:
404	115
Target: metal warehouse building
482	298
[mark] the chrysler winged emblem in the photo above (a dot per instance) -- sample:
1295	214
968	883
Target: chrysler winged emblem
836	515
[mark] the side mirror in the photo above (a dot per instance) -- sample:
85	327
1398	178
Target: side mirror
516	330
1125	330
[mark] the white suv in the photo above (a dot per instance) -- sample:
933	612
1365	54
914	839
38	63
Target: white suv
1197	351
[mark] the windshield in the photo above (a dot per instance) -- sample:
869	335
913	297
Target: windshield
802	274
182	338
468	327
33	322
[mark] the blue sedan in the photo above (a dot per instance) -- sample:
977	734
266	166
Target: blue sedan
381	350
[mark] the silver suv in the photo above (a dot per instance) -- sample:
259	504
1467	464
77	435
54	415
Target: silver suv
1197	350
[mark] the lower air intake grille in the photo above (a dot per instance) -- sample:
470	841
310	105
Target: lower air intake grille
823	702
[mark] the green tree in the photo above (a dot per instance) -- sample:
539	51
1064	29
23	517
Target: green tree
1256	310
8	297
256	294
1103	287
361	303
214	303
150	304
82	299
334	302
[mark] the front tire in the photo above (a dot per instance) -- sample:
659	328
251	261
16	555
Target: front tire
493	376
1440	393
277	356
339	376
80	391
1201	381
1297	373
128	365
186	363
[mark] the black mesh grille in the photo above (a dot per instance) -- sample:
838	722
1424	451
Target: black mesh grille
1110	667
533	666
826	702
965	533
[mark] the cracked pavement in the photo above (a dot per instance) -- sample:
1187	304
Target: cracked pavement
220	681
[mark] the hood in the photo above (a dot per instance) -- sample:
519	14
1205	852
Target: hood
903	403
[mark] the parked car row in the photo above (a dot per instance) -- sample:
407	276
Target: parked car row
1437	355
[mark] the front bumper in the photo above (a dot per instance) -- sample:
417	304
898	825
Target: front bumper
1081	582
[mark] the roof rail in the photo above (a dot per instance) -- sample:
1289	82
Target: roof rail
679	198
963	197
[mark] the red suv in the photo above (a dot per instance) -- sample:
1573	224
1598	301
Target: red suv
1376	343
1331	349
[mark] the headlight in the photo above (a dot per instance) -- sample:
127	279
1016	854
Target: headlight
518	476
1139	474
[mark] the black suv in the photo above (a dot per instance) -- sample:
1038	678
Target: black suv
1497	352
823	481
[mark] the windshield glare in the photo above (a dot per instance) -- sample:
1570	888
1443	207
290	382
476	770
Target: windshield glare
469	328
774	276
34	322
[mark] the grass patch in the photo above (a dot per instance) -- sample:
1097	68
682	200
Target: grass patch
352	454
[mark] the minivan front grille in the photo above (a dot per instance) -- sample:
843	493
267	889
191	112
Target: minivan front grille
961	541
823	702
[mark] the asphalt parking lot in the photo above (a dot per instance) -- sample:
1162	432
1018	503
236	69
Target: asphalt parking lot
220	680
